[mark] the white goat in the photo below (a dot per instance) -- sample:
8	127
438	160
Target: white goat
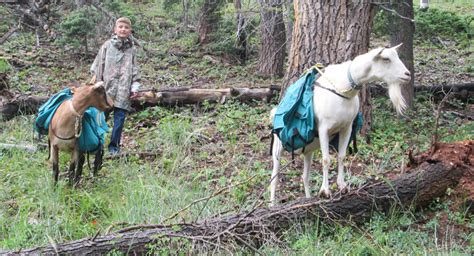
336	104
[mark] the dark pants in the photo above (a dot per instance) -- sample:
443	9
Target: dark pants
119	119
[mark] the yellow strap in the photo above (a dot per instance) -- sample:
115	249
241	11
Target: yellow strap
320	66
317	66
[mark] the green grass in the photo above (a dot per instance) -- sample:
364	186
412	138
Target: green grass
382	235
203	149
200	151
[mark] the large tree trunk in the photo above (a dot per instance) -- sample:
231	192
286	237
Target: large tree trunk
185	18
241	40
421	186
329	34
272	39
402	28
208	20
289	23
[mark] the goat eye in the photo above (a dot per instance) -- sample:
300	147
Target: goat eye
386	59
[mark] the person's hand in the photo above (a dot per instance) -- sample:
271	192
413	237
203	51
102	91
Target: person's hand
93	80
134	95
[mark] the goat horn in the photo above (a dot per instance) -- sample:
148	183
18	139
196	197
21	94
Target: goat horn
396	46
381	50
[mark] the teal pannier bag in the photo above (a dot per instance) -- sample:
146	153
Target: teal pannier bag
294	120
94	126
47	110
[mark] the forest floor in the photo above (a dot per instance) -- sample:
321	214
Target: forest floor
46	69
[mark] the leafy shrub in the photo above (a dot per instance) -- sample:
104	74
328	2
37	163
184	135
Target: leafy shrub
380	26
78	26
4	66
430	24
433	22
122	9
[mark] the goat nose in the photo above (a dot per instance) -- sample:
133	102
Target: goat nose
407	73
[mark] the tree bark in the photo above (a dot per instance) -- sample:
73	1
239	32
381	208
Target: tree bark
289	23
329	33
416	189
185	18
272	39
208	20
402	28
241	40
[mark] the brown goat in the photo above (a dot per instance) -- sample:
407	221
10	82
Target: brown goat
66	125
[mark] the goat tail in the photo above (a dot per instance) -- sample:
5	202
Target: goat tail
272	115
272	134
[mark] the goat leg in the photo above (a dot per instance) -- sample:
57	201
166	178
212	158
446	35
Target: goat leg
55	160
79	166
72	170
98	160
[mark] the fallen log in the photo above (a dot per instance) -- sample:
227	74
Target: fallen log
24	104
461	91
29	148
7	35
20	105
418	188
445	88
183	96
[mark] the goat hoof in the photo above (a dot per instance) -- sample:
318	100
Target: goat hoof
325	193
344	189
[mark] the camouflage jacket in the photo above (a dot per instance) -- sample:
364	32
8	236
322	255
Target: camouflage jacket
116	65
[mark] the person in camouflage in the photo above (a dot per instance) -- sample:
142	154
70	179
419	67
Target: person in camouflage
116	65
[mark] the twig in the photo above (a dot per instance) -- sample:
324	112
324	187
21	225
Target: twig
220	191
142	226
53	244
460	115
435	137
237	237
8	34
127	154
394	12
107	231
199	238
96	235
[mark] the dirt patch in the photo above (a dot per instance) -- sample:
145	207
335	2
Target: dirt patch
456	154
452	221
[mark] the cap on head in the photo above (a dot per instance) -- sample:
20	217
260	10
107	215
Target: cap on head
123	20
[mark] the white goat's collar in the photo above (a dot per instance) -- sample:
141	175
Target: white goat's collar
74	111
336	90
354	85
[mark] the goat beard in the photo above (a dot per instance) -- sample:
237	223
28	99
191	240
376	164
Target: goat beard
395	94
